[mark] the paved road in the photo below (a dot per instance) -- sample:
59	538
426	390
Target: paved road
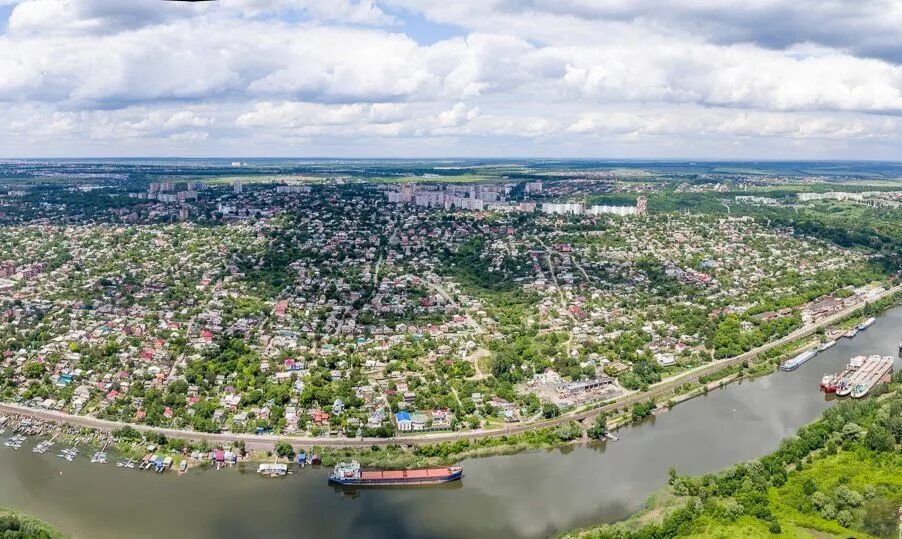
664	387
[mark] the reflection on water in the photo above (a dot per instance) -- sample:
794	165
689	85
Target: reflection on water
538	493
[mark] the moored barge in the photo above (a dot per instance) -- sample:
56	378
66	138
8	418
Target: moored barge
830	382
794	363
351	474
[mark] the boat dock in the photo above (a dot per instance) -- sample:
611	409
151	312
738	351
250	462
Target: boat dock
873	370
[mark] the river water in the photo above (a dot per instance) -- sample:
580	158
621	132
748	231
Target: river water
538	493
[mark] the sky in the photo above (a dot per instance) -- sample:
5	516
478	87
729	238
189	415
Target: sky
737	79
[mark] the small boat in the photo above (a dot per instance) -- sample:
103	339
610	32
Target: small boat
183	466
15	441
826	345
866	324
851	333
42	447
660	410
99	458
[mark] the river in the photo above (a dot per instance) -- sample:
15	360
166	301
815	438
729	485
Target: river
537	493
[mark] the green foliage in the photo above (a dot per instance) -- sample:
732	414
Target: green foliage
642	410
284	449
127	433
879	438
809	487
18	526
600	428
803	483
33	370
550	410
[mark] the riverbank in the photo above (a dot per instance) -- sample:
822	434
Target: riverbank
839	476
534	493
447	448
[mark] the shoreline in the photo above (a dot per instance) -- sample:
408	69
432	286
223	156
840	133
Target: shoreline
401	451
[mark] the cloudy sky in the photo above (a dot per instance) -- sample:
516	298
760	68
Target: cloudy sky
419	78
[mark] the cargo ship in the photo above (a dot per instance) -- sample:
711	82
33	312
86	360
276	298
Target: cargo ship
870	374
794	363
351	474
830	382
866	324
859	377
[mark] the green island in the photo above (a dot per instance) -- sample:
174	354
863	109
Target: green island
840	476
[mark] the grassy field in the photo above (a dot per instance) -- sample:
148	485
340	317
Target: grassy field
458	178
263	179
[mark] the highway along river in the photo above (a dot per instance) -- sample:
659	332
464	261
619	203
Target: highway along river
532	494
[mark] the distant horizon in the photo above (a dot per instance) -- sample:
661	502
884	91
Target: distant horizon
461	158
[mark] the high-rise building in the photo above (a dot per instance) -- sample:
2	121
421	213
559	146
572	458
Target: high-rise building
236	186
641	205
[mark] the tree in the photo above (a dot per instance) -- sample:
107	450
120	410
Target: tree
844	518
284	449
851	431
600	429
550	410
879	439
127	433
819	500
33	370
809	487
880	517
846	497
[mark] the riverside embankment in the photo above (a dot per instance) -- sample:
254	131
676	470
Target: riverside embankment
665	388
532	494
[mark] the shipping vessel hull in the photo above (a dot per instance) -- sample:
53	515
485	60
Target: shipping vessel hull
399	482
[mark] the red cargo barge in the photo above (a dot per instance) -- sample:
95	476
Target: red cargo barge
352	475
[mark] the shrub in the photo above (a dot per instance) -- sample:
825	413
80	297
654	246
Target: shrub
819	500
879	439
846	497
844	518
809	487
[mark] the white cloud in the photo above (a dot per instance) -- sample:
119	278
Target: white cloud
525	76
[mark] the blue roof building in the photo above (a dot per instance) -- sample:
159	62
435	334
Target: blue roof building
403	421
